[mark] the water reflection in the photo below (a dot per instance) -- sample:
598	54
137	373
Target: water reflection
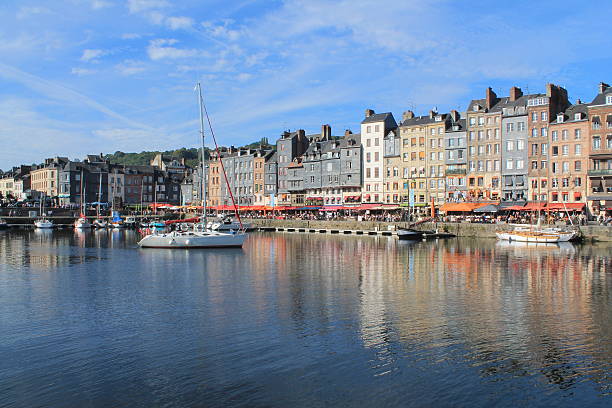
298	319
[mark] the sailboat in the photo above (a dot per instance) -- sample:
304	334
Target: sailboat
99	222
199	236
82	222
43	223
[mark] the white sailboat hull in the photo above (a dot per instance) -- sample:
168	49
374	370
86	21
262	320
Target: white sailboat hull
186	240
43	224
82	223
528	237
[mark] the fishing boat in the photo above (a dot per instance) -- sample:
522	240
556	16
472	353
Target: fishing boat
199	236
409	234
43	222
82	222
529	236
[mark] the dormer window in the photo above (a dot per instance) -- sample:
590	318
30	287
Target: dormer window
560	118
438	118
476	108
577	116
609	100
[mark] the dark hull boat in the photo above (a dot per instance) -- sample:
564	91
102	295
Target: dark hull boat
409	234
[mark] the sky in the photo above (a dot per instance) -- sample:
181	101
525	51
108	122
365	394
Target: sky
97	76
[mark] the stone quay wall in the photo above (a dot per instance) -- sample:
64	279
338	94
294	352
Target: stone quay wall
461	229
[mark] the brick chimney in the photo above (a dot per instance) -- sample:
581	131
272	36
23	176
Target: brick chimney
368	113
515	93
454	115
325	132
558	99
491	98
347	132
408	115
602	87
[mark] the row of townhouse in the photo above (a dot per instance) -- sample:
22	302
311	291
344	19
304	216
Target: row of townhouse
521	147
69	182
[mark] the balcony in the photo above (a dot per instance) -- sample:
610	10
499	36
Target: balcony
600	172
455	172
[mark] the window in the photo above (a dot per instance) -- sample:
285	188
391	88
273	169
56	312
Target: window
369	129
496	133
472	119
534	132
544	132
520	144
376	142
521	126
509	164
565	150
368	172
609	100
565	167
544	149
577	134
555	136
376	172
596	124
471	135
509	127
596	142
377	128
544	116
577	149
376	156
368	157
481	121
509	145
534	117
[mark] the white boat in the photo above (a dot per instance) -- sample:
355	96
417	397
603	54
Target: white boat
43	223
100	223
529	236
225	223
193	239
564	235
82	223
130	222
198	236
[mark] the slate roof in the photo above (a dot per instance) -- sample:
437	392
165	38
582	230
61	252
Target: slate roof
568	115
420	120
600	99
377	117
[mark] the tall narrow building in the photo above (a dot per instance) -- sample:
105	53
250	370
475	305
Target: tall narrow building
374	128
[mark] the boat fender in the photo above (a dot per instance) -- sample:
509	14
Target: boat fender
187	242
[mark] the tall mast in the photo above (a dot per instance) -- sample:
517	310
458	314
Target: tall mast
99	196
203	179
82	206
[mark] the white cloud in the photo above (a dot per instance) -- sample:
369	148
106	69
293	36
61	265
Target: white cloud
221	31
242	77
90	55
130	67
82	71
179	23
138	6
130	36
100	4
26	12
159	49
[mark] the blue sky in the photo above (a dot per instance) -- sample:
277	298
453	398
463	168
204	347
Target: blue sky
83	76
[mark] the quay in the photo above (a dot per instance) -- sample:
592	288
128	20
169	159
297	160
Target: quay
592	233
459	229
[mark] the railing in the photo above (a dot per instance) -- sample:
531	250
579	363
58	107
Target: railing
455	171
600	172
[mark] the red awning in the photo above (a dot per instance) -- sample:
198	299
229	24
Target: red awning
564	206
533	206
513	208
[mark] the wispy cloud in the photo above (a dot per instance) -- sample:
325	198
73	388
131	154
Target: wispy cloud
162	49
93	55
179	23
83	71
130	67
138	6
31	11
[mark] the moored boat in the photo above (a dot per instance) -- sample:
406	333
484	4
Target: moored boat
3	224
409	234
82	223
193	239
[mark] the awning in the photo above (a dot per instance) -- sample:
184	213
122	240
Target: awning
534	206
461	207
489	208
513	208
564	206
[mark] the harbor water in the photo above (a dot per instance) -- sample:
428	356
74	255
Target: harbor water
302	320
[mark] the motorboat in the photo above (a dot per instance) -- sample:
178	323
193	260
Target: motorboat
409	234
3	224
100	223
82	223
157	225
193	239
44	223
117	224
226	223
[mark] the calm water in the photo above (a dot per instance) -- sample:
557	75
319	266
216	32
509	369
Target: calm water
90	320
